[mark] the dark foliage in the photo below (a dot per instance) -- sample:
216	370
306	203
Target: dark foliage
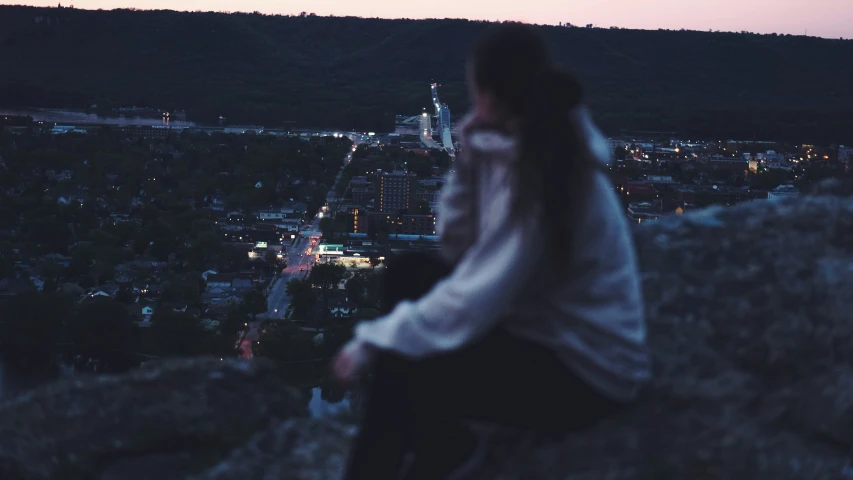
358	73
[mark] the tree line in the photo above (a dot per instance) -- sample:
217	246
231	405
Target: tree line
354	73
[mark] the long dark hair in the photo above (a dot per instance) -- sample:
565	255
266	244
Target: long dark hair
512	63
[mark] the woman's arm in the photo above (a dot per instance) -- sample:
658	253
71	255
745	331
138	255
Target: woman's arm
470	301
456	222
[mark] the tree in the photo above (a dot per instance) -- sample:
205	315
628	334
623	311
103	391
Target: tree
285	344
254	302
302	296
177	333
274	264
335	338
327	276
81	259
219	345
375	262
355	288
420	166
103	329
327	227
30	327
234	323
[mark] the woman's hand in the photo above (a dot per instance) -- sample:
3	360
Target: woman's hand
351	360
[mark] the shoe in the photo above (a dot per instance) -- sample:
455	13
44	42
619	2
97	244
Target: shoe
469	466
455	463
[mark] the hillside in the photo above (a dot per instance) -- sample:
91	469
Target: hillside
358	73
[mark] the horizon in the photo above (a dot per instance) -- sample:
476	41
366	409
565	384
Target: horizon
819	18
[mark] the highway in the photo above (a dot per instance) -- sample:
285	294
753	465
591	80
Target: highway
299	262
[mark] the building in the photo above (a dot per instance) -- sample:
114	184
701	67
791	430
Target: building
330	250
845	155
356	221
642	212
737	164
396	192
241	129
705	195
149	131
401	224
783	191
362	196
219	280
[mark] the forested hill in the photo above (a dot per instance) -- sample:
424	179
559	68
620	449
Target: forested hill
359	73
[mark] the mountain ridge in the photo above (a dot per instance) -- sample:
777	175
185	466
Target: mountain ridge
357	73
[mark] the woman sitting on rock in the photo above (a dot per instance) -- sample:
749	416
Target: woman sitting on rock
533	316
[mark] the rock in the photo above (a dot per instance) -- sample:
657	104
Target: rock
750	313
173	418
750	326
301	449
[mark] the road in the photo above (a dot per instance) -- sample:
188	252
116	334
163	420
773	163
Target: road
299	262
426	136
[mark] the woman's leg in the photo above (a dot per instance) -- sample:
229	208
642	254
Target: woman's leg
423	404
385	434
501	379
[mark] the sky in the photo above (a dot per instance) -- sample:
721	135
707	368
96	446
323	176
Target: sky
824	18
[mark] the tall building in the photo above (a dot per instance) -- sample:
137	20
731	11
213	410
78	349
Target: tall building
396	191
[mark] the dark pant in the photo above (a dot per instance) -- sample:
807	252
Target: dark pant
420	405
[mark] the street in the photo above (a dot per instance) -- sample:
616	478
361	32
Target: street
299	262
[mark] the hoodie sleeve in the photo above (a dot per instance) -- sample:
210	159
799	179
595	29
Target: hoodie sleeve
472	299
455	214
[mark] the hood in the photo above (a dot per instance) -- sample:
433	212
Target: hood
495	142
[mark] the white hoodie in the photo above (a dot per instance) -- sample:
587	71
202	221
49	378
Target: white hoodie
591	315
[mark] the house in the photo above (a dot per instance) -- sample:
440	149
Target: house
147	313
37	282
640	212
110	289
343	308
63	175
217	203
783	191
259	184
219	280
210	324
9	287
242	284
63	200
58	258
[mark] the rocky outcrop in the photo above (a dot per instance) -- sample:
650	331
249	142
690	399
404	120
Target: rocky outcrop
164	421
751	325
750	314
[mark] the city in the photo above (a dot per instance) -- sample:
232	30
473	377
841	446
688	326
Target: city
187	257
254	262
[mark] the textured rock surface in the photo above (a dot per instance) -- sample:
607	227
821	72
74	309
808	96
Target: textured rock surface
173	419
750	322
751	326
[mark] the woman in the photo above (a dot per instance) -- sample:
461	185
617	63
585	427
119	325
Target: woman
536	318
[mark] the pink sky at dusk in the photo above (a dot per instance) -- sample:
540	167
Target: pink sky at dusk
825	18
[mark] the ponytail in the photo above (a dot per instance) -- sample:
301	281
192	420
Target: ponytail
552	176
552	173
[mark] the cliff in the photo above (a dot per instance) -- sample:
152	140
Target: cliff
749	321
